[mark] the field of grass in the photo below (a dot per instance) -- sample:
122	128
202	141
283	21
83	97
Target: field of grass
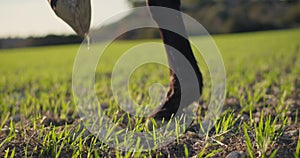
260	118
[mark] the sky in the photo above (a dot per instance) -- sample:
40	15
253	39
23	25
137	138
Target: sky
24	18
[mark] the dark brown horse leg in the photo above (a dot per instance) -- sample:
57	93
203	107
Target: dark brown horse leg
171	103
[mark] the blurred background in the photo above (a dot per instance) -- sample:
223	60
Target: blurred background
33	23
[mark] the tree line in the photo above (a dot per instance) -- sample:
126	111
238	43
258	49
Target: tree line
39	41
231	16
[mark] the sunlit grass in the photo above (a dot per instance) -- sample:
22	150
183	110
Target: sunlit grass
36	83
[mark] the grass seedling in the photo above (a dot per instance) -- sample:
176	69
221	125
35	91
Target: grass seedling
266	134
203	150
248	141
186	151
297	152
